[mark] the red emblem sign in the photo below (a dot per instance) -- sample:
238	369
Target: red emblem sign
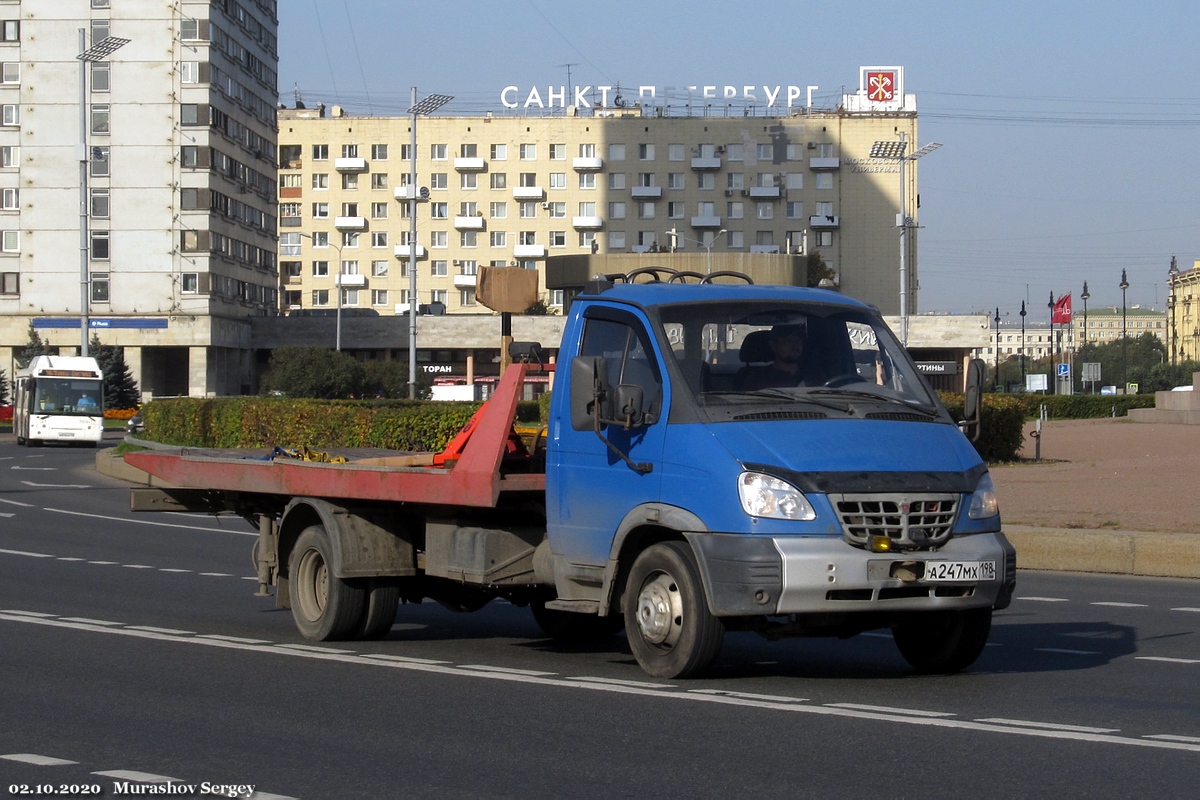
881	86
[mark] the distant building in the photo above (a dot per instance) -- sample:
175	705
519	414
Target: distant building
1183	310
180	250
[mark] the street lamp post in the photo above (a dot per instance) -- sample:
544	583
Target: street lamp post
1053	353
337	287
1022	342
87	55
1083	348
996	376
895	151
427	106
1124	341
676	236
1172	274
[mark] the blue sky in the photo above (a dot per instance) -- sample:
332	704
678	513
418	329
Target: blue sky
1069	129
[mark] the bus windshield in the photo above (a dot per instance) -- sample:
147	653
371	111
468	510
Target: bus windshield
69	396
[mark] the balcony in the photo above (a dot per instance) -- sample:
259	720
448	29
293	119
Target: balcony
350	164
356	281
706	163
820	164
587	223
529	251
646	192
587	163
407	193
405	251
465	281
528	192
350	223
291	222
470	164
764	191
823	221
474	223
764	248
640	248
706	222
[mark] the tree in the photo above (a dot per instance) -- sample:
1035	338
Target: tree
390	379
34	348
3	388
120	389
315	372
817	270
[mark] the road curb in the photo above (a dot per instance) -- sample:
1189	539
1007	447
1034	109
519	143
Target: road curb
1152	554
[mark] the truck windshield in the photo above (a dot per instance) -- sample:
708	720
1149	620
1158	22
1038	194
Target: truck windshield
776	351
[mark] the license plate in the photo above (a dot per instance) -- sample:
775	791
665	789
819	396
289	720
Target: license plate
946	571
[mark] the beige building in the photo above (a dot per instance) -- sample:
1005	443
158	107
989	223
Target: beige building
509	190
1183	313
178	183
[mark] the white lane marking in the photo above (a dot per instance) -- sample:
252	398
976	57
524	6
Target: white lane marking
15	503
41	761
25	553
619	682
1064	651
35	469
137	566
237	639
1168	660
6	514
153	629
70	558
149	522
1050	726
89	621
1122	605
216	574
308	648
1044	599
1061	732
1186	609
140	777
770	698
269	796
29	613
876	635
403	659
172	569
510	670
103	563
57	485
892	710
1170	737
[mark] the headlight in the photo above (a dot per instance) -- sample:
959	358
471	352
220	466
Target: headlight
983	502
765	496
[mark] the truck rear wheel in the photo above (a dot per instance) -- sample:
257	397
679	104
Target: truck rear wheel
943	641
670	629
379	608
325	607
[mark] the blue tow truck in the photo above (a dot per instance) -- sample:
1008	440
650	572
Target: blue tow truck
719	456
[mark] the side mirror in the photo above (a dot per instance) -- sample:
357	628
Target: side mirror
973	399
590	393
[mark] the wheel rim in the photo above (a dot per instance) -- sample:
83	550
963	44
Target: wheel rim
660	611
313	584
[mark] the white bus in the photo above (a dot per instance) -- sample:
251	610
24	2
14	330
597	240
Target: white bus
59	399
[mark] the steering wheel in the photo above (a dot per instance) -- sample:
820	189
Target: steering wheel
842	380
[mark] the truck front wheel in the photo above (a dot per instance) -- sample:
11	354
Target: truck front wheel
325	607
942	641
670	629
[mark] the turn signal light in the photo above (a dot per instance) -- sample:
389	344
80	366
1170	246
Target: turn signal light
881	544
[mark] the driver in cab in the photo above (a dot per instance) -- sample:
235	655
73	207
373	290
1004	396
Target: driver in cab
788	366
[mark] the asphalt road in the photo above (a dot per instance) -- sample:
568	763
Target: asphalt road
133	648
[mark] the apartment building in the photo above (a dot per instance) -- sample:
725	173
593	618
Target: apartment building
1183	311
137	169
518	189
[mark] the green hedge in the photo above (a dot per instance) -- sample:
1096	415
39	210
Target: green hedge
1002	424
419	426
1080	406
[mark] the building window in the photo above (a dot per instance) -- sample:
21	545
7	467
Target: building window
645	152
674	180
379	180
499	152
528	152
100	246
320	181
10	241
795	180
675	152
616	210
438	269
438	181
558	180
320	152
675	210
498	238
319	210
10	156
499	180
558	238
10	72
438	239
528	179
379	239
379	152
558	152
735	181
706	180
10	30
349	238
616	152
189	72
468	180
824	238
10	283
735	209
765	211
12	200
190	114
766	152
616	240
437	152
379	297
379	210
439	210
99	204
467	238
466	297
587	180
499	210
189	283
99	282
795	210
737	240
616	180
824	180
646	210
349	180
320	269
587	240
528	210
10	114
557	210
320	297
289	244
349	151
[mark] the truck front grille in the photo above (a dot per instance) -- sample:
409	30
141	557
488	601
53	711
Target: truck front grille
911	522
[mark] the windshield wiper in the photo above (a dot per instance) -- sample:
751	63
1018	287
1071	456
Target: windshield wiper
916	405
782	394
